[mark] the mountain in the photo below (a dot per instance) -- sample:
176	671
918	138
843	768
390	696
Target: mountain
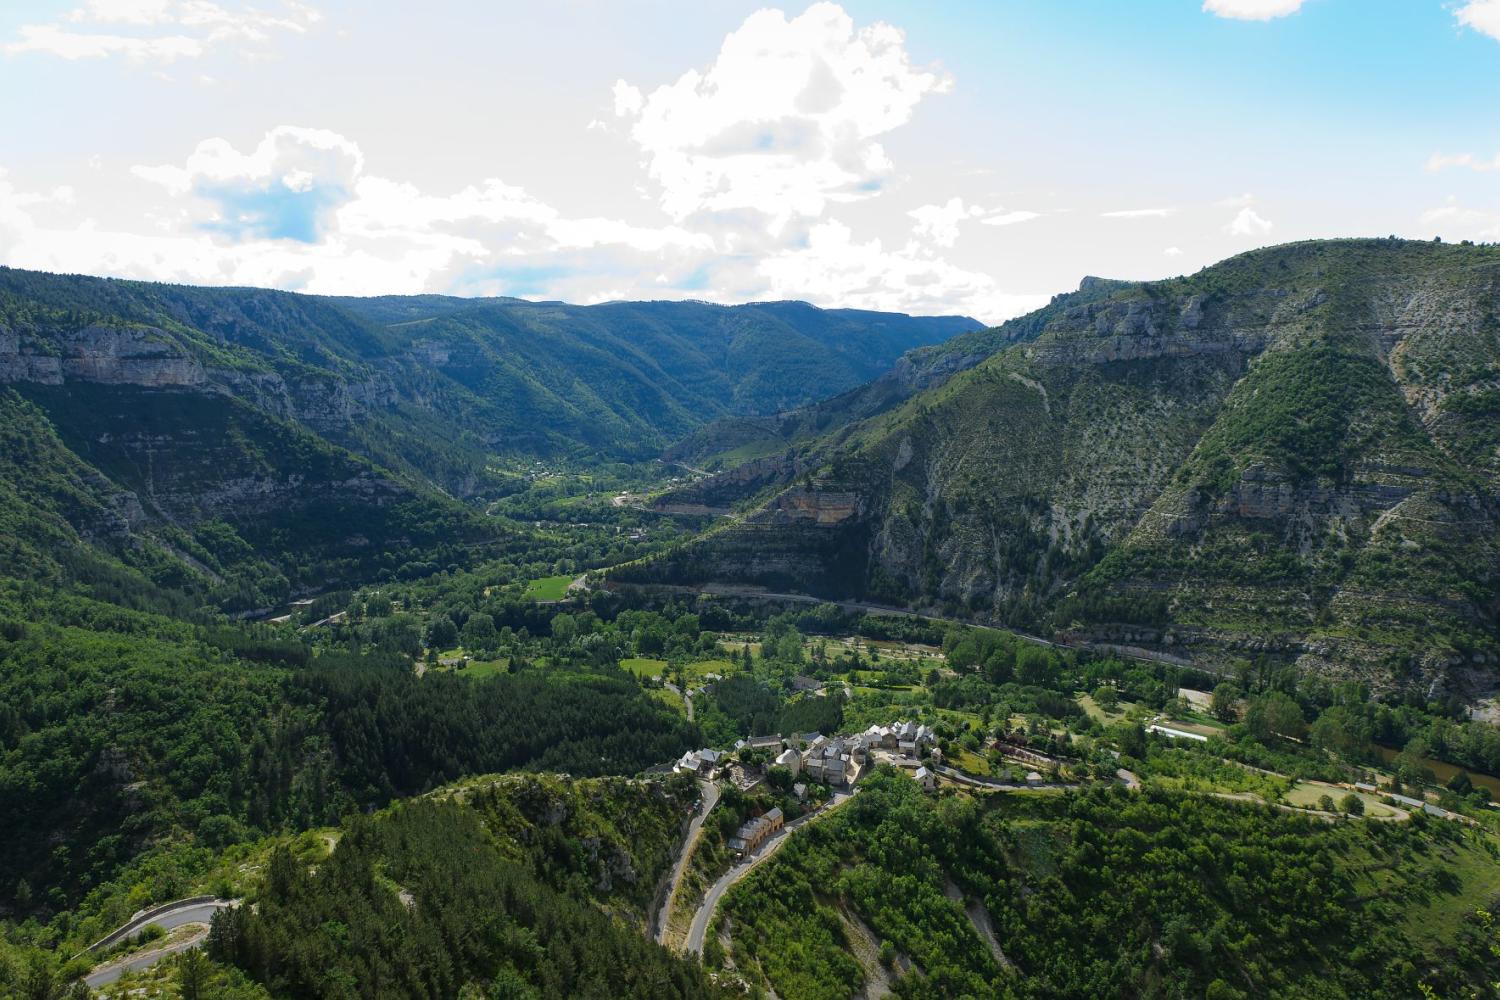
1293	453
236	444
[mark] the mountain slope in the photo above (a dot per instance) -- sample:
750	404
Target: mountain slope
237	444
1294	451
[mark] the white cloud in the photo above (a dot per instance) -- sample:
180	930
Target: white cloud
786	119
1010	218
1442	161
286	189
835	268
158	30
1139	213
1252	10
628	99
1173	251
1248	223
939	223
1461	223
744	161
1481	15
301	211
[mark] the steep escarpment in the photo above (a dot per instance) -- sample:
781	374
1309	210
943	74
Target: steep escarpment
1292	452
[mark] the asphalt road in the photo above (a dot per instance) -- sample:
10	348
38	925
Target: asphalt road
710	792
716	891
188	913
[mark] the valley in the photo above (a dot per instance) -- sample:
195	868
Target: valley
1128	648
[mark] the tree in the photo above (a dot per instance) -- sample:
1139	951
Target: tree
1275	714
789	648
479	631
779	777
192	975
1325	803
1225	703
1106	697
1034	665
1352	804
442	633
1220	990
564	627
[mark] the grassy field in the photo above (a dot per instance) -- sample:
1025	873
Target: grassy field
548	588
643	666
1196	721
1307	793
477	669
970	762
670	699
1468	869
1096	711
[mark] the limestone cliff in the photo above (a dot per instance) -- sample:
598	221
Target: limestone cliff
1296	451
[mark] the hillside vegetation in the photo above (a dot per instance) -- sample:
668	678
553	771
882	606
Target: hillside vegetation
237	446
1295	451
1106	894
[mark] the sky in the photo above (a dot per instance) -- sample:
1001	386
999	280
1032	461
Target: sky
969	156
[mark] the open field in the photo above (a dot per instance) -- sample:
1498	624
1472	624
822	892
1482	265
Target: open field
970	762
477	669
548	588
671	699
644	666
1099	714
1307	793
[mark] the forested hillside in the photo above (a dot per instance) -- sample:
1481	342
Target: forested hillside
1292	452
237	446
1109	894
478	922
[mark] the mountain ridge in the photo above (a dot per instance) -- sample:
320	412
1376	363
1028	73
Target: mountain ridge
1314	421
313	440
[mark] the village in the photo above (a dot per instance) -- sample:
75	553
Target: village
837	762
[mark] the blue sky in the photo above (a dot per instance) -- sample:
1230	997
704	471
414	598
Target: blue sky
964	156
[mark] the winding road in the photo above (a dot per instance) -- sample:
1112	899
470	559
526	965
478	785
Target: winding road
710	796
716	892
199	910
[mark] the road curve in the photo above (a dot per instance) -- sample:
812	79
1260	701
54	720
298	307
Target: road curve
199	910
716	892
106	974
709	796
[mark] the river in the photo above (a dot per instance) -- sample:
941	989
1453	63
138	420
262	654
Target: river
1444	771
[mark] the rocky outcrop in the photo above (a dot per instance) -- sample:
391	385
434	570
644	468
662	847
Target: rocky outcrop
1290	454
108	355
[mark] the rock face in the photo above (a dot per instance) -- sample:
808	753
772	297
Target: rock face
105	354
1296	452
